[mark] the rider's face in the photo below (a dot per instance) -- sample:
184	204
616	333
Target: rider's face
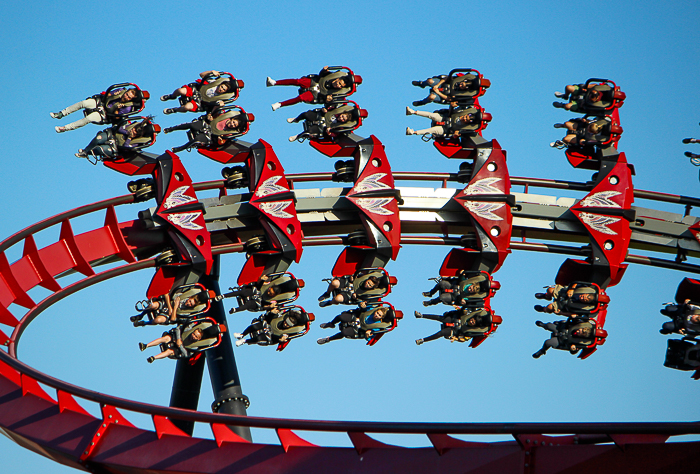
222	88
130	94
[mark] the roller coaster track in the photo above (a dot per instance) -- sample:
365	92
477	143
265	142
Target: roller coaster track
56	426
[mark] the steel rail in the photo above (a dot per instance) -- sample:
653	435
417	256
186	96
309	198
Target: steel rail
452	177
669	428
58	218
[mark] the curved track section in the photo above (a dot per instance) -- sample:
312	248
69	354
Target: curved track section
56	426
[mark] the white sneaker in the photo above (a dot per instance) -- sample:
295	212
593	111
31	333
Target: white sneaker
270	81
240	342
290	120
276	106
237	335
409	131
56	115
293	138
60	129
559	95
409	111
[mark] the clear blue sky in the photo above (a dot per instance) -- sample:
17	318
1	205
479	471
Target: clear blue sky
55	53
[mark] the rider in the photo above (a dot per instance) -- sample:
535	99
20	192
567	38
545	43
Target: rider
581	132
204	93
578	95
120	101
214	123
273	327
444	122
441	87
458	325
457	290
576	297
362	322
166	309
321	88
349	289
572	334
264	293
685	319
182	341
123	136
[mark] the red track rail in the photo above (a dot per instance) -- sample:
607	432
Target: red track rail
59	428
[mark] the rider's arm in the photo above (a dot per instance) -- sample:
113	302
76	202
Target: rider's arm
436	89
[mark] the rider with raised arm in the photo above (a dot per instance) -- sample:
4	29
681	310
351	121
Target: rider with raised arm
211	90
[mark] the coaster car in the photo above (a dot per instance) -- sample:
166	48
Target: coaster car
203	344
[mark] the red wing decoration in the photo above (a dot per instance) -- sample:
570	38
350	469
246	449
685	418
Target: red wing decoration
273	198
487	199
178	206
338	147
140	164
271	195
375	195
235	151
605	213
695	229
162	282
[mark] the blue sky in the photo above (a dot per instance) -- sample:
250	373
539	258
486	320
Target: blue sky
57	53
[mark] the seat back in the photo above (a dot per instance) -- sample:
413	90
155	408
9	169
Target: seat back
356	116
212	82
324	84
204	343
187	291
289	285
232	111
471	91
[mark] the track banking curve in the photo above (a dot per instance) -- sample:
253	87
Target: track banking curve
59	428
